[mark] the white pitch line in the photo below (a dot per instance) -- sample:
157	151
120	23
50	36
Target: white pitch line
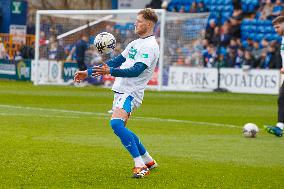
31	115
135	118
53	110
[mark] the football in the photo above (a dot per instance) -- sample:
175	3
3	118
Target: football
105	42
250	130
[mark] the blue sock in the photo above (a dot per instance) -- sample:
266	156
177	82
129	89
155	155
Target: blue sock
140	146
125	136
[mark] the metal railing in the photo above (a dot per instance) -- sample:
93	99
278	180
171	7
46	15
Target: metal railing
14	42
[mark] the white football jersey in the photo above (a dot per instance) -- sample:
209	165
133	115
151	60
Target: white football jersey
145	50
282	51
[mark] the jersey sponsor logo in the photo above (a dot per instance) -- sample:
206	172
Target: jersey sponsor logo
145	56
132	53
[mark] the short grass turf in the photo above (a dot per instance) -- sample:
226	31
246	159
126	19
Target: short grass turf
59	137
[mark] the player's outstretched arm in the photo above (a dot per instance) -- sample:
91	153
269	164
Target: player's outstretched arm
134	71
80	75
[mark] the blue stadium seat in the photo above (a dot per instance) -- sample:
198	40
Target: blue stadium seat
261	22
227	2
207	2
129	26
275	36
262	29
244	35
178	6
251	35
268	22
269	36
245	21
187	8
219	8
226	14
244	44
271	30
254	22
247	28
117	26
259	37
171	7
175	1
253	28
213	8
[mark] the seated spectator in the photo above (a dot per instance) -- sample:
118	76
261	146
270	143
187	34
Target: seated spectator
179	58
272	59
249	60
233	46
201	7
216	38
225	36
221	61
231	58
261	60
209	56
18	55
42	39
238	14
182	9
210	30
27	52
266	10
277	9
235	29
239	61
249	43
193	7
256	51
52	52
264	44
2	50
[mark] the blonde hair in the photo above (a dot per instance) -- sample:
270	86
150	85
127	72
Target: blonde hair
278	20
149	14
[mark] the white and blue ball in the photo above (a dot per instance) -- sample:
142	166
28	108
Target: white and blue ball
250	130
105	42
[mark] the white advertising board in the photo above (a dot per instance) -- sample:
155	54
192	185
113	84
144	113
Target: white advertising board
256	81
192	79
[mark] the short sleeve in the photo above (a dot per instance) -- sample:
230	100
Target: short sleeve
146	55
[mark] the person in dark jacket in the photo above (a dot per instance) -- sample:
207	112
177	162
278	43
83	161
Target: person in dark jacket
81	47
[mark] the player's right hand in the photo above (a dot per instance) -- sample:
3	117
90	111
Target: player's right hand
282	70
80	75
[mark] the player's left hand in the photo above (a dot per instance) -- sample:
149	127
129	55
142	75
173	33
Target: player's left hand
282	70
101	70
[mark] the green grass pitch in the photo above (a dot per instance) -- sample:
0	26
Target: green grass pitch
59	137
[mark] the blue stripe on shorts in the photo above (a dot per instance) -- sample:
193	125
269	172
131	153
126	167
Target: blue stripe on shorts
127	104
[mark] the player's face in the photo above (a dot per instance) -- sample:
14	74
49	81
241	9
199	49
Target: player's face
141	25
279	29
